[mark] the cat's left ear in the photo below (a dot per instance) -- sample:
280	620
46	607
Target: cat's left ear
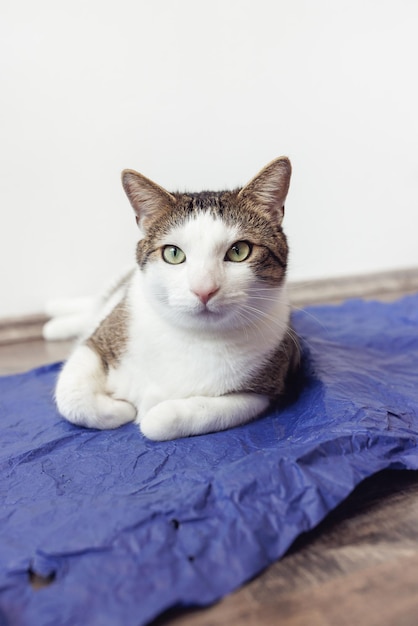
147	198
269	188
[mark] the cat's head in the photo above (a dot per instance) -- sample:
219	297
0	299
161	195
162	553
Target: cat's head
214	260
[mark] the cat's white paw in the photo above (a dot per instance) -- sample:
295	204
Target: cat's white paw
167	420
198	415
113	413
100	411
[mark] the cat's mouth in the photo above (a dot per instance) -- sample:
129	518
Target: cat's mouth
208	312
205	311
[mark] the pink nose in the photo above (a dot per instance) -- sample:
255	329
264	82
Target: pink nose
204	295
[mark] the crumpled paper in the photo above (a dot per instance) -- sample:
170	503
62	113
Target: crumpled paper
127	527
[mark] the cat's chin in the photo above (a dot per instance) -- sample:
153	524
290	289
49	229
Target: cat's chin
202	319
207	317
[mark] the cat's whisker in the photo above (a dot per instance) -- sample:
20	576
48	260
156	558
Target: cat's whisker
252	323
262	314
310	315
294	339
255	295
261	320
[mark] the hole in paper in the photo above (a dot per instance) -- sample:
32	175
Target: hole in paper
39	582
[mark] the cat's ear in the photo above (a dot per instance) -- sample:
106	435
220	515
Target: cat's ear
147	198
269	188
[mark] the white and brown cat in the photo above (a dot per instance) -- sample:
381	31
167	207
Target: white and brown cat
197	337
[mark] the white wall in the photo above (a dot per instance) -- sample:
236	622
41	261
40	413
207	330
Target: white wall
200	94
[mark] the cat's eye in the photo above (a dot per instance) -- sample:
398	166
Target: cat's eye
173	255
239	252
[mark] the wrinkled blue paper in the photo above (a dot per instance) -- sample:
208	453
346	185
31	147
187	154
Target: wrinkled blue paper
130	527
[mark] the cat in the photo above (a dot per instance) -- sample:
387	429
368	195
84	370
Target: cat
197	337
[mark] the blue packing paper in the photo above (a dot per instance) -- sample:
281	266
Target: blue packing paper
128	527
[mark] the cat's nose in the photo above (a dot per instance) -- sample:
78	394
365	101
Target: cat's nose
205	295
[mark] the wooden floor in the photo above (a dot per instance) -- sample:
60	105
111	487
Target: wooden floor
358	568
25	355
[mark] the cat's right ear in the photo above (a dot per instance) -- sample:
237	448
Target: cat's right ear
269	188
146	197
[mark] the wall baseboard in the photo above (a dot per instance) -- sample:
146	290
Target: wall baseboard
387	285
21	328
381	285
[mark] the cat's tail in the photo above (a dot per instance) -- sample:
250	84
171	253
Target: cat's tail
76	317
69	318
81	395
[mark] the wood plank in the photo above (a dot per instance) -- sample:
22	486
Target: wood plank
22	356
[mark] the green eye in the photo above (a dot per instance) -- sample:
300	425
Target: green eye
173	255
239	252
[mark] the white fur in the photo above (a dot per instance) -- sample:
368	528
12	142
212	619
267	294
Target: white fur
82	396
184	359
78	317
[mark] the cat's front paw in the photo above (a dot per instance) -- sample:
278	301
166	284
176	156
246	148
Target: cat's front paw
199	415
167	420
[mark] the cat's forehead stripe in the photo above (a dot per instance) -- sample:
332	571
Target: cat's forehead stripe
247	219
222	204
189	206
195	203
205	228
